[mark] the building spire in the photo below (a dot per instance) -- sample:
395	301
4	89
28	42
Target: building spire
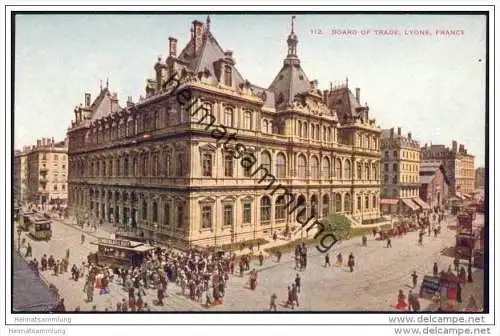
208	23
292	42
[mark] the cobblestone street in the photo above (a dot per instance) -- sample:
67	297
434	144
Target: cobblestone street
379	273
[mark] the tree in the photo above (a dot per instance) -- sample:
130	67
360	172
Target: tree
338	224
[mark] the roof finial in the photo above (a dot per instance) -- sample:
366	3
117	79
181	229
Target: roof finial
107	83
347	82
208	23
331	86
293	19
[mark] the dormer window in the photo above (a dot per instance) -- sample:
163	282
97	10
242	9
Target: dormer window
301	77
228	72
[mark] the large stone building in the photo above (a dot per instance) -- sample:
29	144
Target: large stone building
400	161
47	172
20	175
433	184
480	171
458	164
175	163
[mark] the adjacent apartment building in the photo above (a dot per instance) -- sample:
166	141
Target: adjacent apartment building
47	172
458	164
479	183
400	161
433	183
222	160
20	175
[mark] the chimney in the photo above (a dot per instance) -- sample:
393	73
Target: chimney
325	97
391	132
129	101
38	143
454	146
53	142
172	46
358	94
409	135
461	148
87	99
197	35
399	131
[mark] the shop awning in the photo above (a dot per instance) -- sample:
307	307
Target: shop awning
409	203
422	203
390	201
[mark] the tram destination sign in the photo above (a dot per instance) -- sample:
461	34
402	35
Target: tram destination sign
117	242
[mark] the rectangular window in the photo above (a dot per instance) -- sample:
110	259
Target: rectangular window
166	214
206	217
228	76
247	120
155	165
228	165
207	164
247	213
228	215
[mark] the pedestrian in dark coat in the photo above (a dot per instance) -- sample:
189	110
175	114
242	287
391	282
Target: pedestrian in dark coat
435	269
459	293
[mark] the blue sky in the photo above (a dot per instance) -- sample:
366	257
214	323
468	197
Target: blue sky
432	86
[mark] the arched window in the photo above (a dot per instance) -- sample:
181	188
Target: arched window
125	166
280	208
347	170
374	202
367	171
338	169
280	165
374	171
247	120
168	164
314	168
304	130
301	208
338	202
299	129
301	166
358	203
264	126
367	202
326	205
228	117
325	169
155	212
265	210
166	214
314	205
347	203
135	166
266	163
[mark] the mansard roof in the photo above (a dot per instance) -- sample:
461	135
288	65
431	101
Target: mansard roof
204	59
105	104
344	102
290	81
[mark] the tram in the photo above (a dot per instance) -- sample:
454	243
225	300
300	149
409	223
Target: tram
26	220
116	253
40	228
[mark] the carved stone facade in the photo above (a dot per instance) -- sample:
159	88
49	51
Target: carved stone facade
175	164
